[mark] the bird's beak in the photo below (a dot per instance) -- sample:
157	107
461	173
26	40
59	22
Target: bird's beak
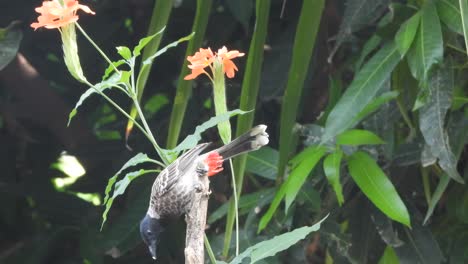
152	250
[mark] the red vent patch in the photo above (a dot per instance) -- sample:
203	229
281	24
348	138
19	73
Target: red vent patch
214	162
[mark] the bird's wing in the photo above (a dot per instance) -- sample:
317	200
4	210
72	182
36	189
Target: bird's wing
172	173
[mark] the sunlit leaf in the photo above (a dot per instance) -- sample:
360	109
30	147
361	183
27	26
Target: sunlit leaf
389	256
377	187
302	165
331	167
124	52
356	137
275	245
150	59
464	17
144	41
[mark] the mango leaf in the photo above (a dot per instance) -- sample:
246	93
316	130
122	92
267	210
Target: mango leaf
300	173
144	41
427	48
440	189
405	35
302	165
357	15
120	188
331	167
277	244
150	59
369	47
377	187
389	256
431	120
361	91
10	39
193	139
374	105
464	17
263	162
113	80
449	13
356	137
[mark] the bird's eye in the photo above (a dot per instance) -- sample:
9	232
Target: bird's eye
148	232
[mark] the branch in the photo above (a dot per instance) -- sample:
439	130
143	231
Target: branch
196	222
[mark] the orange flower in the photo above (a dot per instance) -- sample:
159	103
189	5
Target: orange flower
54	15
227	56
205	57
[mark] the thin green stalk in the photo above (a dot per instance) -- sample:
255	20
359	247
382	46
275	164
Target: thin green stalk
114	104
151	137
184	87
96	47
159	17
406	118
209	250
249	93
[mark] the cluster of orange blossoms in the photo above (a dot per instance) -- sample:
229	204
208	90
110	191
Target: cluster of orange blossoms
205	57
55	15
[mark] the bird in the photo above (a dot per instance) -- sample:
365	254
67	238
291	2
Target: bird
175	186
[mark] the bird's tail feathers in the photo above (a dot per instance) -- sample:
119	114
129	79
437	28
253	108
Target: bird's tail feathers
253	139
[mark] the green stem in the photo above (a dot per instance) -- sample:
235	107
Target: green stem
209	250
236	204
406	118
114	104
96	46
150	134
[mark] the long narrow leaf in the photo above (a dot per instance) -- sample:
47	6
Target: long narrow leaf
377	187
304	42
183	91
361	91
464	17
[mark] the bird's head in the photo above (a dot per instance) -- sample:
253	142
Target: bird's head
150	229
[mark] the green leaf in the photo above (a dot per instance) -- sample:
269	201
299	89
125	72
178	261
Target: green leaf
427	48
113	80
377	187
110	68
144	41
361	91
367	49
304	42
449	13
405	35
10	39
263	162
331	167
154	104
440	189
124	52
431	121
464	17
356	137
300	172
389	257
302	164
193	139
120	188
374	105
150	59
275	245
246	203
137	159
